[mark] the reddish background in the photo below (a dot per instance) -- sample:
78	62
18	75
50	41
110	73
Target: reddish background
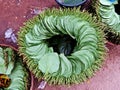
12	15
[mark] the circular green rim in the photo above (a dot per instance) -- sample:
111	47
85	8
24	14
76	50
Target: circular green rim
90	45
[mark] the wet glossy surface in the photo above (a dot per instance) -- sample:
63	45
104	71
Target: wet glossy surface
70	3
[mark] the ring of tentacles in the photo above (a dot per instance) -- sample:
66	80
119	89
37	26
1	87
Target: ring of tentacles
13	74
58	68
109	13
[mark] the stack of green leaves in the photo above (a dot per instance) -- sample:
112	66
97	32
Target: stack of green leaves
57	68
108	14
11	65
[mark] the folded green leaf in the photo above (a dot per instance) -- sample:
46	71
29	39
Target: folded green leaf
49	63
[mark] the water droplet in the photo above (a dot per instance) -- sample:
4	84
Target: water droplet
36	11
13	38
8	33
42	85
10	36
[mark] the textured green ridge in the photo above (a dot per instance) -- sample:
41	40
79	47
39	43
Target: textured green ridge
55	68
11	65
109	16
105	11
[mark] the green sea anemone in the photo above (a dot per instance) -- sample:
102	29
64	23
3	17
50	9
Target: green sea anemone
40	39
11	68
109	13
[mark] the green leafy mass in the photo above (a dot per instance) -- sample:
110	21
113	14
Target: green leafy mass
57	68
108	12
11	65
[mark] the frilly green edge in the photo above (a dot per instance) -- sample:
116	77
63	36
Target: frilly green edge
11	65
59	79
105	12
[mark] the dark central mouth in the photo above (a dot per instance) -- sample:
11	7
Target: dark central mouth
62	44
117	8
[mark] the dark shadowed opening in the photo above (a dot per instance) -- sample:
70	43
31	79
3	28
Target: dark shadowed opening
62	44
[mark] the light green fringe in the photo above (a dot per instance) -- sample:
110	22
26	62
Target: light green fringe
60	80
111	34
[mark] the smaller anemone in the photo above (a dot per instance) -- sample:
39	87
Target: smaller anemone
13	74
108	12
